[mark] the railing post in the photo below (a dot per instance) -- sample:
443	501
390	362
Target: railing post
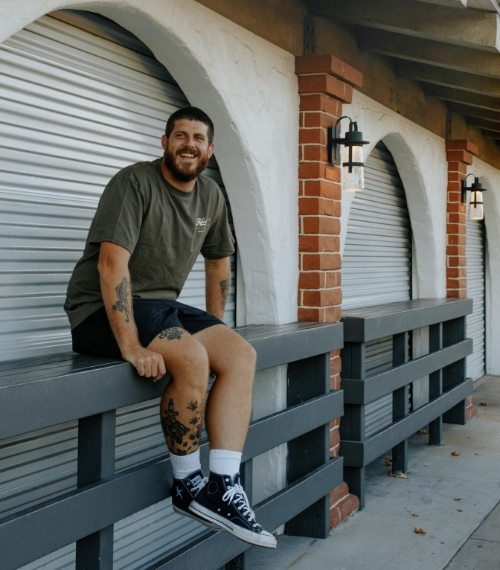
399	356
96	460
453	332
307	379
436	384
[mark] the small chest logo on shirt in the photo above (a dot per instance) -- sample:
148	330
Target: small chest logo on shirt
202	224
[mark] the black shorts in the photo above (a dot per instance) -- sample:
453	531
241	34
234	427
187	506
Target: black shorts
94	334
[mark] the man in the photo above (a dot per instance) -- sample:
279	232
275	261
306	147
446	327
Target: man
153	220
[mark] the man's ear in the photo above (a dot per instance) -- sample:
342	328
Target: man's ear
164	142
211	149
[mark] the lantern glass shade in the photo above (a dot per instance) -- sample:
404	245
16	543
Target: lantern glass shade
476	206
354	181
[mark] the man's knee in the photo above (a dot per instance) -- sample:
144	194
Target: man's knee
189	365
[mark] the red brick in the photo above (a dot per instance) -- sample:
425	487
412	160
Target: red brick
311	170
456	167
335	382
335	437
322	298
456	283
333	279
322	189
462	145
455	250
348	506
339	493
334	353
318	119
453	261
334	517
333	314
456	207
314	315
328	64
312	280
334	451
335	422
332	173
336	365
312	136
319	244
455	229
320	102
321	225
454	187
457	272
455	176
459	156
315	152
456	218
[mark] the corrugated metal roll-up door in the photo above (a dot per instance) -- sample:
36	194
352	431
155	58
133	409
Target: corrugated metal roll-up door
376	263
80	98
475	251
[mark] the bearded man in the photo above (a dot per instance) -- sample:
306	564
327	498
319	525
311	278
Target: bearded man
153	220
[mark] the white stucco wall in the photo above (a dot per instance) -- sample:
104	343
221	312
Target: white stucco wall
249	88
421	160
490	178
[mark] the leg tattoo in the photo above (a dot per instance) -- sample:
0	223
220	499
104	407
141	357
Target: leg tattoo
182	439
172	333
172	427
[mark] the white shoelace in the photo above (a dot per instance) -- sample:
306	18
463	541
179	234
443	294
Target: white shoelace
237	495
199	486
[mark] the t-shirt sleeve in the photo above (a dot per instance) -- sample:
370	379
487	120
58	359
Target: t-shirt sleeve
119	215
219	241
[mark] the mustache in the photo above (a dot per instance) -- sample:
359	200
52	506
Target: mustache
190	150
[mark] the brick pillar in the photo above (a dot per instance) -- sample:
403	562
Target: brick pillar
459	154
324	84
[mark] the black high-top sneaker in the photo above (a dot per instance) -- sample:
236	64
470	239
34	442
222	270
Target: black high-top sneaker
183	493
224	502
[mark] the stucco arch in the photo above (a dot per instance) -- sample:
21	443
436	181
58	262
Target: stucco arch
249	88
421	160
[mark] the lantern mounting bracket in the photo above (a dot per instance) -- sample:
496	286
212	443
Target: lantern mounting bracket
476	187
353	137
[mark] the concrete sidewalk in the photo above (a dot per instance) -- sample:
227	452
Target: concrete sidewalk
451	496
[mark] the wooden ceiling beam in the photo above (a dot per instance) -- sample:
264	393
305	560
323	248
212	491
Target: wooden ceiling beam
470	28
484	124
449	77
477	112
491	134
450	3
430	52
459	96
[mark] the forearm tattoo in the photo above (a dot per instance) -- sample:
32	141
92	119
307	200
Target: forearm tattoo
182	439
224	289
172	333
122	305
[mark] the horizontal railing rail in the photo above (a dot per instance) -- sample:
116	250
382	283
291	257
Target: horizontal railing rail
68	387
443	364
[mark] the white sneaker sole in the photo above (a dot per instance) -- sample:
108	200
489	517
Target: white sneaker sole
264	539
210	525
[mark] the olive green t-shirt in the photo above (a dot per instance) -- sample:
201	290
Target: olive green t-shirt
163	228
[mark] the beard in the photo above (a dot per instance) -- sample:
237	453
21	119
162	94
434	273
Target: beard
184	173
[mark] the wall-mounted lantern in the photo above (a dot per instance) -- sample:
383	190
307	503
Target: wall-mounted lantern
476	197
353	153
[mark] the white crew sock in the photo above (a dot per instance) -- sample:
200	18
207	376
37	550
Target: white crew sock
184	465
224	461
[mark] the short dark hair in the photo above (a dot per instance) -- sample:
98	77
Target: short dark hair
191	114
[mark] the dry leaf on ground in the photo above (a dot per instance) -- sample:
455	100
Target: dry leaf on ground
414	515
455	453
457	498
478	453
388	462
419	530
423	431
460	510
483	403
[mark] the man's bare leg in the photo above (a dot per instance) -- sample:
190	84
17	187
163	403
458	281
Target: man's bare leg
183	401
229	405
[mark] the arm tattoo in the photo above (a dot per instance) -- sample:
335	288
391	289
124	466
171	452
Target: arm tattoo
172	333
122	305
224	289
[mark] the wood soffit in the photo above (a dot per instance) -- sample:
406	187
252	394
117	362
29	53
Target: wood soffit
452	47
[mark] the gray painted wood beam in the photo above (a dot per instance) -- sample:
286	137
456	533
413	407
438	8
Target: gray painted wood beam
460	96
449	78
430	52
471	28
492	134
450	3
477	112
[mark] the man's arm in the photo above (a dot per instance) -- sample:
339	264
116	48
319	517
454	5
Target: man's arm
117	297
218	282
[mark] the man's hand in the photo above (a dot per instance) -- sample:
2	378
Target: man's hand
147	363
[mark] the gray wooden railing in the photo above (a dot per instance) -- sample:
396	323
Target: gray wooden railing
444	364
47	391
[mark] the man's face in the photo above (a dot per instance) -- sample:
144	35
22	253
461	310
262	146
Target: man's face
187	150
